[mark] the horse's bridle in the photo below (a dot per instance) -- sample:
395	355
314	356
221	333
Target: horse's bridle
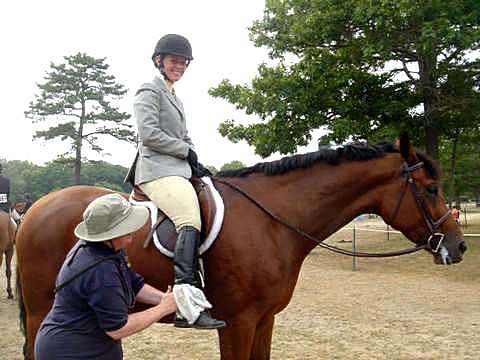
434	238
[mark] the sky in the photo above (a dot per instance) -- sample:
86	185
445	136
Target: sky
36	33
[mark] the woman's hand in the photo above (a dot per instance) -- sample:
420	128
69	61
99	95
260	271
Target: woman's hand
168	302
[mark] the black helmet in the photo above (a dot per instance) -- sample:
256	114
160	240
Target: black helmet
173	44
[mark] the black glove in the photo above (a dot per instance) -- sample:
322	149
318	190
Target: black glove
201	171
192	159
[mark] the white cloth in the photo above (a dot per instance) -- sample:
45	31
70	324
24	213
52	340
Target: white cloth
191	301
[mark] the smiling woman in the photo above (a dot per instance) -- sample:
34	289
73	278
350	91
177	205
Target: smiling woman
165	162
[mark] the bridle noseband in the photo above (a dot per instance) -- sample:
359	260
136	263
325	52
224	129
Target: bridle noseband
434	239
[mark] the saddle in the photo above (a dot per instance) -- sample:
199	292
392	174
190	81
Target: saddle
163	232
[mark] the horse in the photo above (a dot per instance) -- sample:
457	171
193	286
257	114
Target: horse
8	228
275	214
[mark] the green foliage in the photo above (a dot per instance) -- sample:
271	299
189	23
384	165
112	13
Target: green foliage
234	164
359	69
20	173
460	157
77	99
36	181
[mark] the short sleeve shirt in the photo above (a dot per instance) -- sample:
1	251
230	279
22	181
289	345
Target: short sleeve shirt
89	305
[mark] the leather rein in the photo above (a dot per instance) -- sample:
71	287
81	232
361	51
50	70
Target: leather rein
433	242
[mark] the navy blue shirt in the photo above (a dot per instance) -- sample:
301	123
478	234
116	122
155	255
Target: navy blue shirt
89	305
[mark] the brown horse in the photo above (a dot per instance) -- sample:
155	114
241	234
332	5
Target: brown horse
277	214
8	228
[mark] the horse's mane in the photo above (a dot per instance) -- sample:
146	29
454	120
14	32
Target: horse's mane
349	152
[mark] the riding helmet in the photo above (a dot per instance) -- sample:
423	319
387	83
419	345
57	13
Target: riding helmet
173	44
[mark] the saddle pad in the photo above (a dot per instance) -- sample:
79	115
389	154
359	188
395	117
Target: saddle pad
210	237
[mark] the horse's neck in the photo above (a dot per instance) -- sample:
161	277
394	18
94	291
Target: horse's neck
323	198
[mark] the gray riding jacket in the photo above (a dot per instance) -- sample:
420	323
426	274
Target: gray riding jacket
163	137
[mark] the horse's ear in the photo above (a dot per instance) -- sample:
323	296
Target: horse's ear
407	150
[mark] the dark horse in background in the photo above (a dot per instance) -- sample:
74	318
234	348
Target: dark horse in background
252	268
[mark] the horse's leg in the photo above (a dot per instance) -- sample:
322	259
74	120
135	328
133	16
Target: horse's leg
35	311
263	339
37	298
8	271
236	339
2	251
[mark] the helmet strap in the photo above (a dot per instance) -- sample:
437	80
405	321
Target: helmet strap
159	66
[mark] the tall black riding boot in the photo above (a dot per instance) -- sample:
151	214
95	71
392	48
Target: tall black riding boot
186	272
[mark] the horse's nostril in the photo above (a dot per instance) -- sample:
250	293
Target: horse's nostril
462	247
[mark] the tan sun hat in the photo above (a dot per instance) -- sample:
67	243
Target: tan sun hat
110	216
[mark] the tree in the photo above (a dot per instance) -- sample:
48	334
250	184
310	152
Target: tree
460	156
361	69
77	98
234	164
22	175
36	181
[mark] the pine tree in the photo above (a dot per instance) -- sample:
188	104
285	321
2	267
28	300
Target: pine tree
77	98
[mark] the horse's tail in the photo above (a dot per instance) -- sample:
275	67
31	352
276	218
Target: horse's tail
22	313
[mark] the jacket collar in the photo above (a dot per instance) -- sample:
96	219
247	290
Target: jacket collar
160	84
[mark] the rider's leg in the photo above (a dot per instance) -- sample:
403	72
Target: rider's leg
177	199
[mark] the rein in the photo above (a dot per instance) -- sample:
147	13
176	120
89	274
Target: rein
432	225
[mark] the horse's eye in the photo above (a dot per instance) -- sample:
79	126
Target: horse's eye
433	189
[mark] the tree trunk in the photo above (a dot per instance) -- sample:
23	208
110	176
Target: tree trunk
426	65
453	163
78	146
78	164
431	139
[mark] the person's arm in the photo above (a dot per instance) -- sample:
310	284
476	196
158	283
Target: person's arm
143	319
149	295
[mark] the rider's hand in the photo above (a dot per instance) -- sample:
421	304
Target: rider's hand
201	171
192	159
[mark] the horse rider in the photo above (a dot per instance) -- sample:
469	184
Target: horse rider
4	192
164	163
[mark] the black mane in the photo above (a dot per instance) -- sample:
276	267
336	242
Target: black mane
349	152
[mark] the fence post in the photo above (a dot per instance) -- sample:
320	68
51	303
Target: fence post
354	249
388	232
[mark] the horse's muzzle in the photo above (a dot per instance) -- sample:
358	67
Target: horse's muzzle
450	254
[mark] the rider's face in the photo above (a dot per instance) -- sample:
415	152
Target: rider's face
174	66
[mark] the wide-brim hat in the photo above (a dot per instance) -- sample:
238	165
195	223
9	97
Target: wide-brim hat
110	216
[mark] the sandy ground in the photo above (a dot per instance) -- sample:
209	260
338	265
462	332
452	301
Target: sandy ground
397	309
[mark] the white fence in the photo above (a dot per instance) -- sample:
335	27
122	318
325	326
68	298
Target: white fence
356	228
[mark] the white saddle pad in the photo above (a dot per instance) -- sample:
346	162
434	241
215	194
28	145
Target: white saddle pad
216	226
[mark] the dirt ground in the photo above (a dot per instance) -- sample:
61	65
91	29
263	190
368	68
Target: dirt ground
395	309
